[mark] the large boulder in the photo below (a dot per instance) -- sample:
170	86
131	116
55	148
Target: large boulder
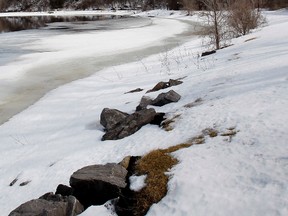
109	118
49	205
96	184
166	98
131	124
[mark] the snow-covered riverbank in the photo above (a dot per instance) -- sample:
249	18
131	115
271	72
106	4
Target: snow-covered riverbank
50	59
244	87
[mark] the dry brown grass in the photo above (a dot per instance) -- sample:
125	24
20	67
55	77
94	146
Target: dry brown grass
167	124
200	139
211	132
197	102
176	148
155	165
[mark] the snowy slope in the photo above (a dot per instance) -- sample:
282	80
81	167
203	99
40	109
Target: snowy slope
244	86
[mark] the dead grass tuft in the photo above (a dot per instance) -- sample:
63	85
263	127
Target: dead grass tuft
197	102
155	165
230	133
166	125
210	132
197	140
176	148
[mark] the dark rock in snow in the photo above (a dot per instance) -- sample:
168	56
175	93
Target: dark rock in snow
64	190
131	124
24	183
49	205
125	205
158	119
109	118
166	98
145	101
159	86
96	184
208	53
163	85
134	90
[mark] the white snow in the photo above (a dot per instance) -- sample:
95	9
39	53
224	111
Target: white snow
137	182
53	58
64	47
244	86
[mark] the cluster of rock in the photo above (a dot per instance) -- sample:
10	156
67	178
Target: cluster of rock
127	124
118	124
97	184
91	185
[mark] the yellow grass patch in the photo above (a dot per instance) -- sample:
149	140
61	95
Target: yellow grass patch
155	165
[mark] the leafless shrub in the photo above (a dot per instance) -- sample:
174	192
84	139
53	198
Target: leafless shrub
243	17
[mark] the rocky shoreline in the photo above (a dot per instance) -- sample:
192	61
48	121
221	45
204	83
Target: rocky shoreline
97	184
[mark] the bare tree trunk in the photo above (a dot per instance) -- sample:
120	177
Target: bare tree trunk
216	19
217	36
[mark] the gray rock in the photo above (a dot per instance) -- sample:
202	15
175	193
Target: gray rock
109	118
175	82
96	184
145	101
49	205
131	124
166	98
125	162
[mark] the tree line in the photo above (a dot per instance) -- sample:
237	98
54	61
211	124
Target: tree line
27	5
227	19
270	4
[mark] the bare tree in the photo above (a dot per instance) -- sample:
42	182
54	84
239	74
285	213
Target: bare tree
216	18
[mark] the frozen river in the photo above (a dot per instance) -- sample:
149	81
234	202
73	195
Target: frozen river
35	61
19	30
